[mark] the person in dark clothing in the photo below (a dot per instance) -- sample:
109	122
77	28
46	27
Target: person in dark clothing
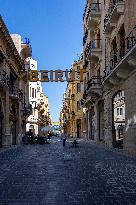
64	142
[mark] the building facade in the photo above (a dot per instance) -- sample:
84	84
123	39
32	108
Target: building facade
109	46
34	99
73	118
40	116
14	104
93	42
108	100
44	115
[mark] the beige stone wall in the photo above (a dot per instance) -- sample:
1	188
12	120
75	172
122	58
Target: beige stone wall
130	15
13	65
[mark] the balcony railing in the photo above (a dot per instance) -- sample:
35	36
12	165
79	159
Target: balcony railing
93	11
27	109
94	82
112	16
93	90
119	55
95	49
85	65
85	37
4	79
14	92
96	7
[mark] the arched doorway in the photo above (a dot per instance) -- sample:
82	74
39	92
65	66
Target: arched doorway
118	118
1	122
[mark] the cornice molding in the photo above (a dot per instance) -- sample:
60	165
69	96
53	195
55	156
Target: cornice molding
10	43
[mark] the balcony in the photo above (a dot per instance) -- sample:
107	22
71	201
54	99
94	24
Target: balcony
85	65
94	17
14	93
95	50
27	110
84	98
4	80
93	91
95	10
122	63
94	86
115	11
85	37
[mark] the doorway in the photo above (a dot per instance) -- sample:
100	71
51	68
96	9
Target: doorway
92	126
101	120
13	132
118	119
78	128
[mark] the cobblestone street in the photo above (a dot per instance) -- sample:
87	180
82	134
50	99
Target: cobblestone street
51	174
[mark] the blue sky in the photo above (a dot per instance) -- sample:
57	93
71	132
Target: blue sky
54	28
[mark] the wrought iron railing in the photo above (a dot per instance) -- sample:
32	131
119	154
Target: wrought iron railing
110	10
117	56
94	7
4	78
95	80
13	91
85	37
85	64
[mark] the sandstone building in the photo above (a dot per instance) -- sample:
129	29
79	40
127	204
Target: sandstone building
14	104
109	82
109	59
72	117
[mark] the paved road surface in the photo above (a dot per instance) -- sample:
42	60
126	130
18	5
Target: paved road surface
53	175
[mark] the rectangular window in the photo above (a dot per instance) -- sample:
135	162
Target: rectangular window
78	87
78	69
121	111
117	111
32	92
87	76
78	105
85	83
35	93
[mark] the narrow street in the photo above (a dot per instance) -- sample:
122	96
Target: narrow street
52	174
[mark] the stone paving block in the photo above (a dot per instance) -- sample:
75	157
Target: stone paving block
53	175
